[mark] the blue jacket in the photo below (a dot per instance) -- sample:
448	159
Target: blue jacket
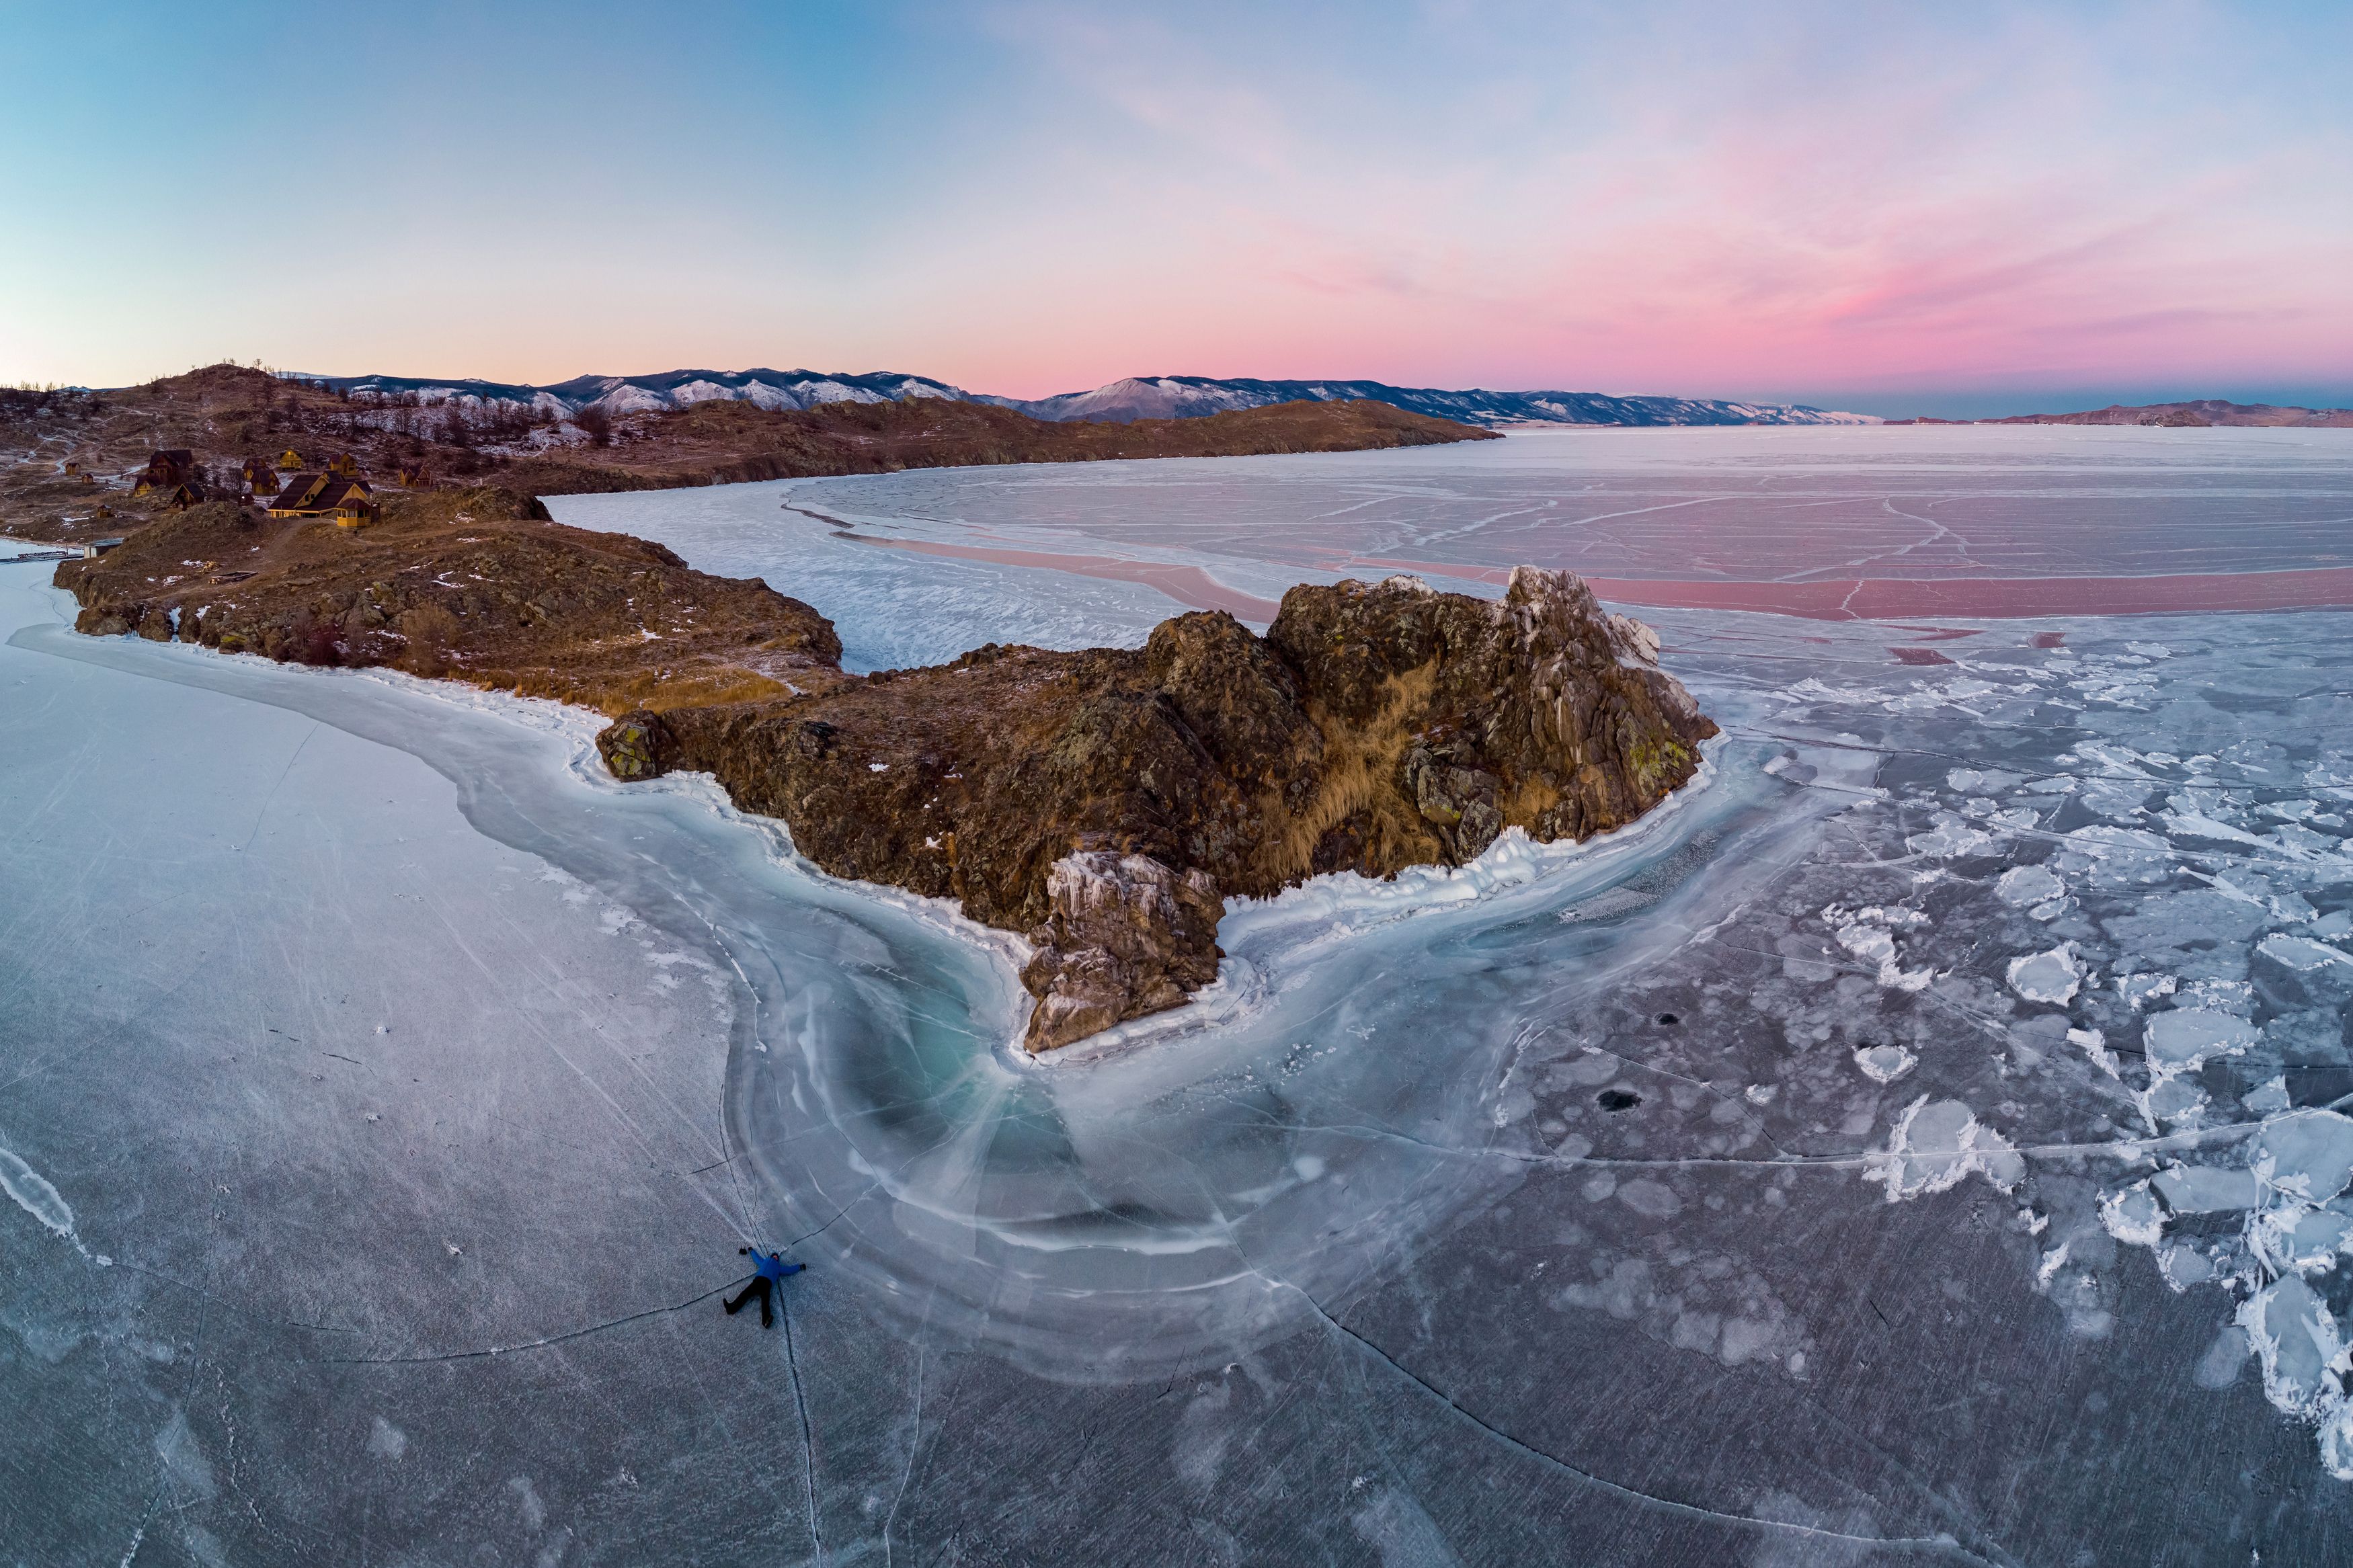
772	1265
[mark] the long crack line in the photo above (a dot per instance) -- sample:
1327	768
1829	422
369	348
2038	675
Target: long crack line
529	1344
1942	1544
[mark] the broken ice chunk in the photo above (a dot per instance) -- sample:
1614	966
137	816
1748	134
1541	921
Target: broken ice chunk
2186	1038
2136	989
2096	1045
2133	1215
1884	1064
2296	1340
1934	1146
1950	839
2169	1100
2268	1098
2305	1155
2046	976
2206	1189
2299	953
2310	1241
2336	1442
2023	885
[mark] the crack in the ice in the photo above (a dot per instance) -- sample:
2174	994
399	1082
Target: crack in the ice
808	1443
915	1439
531	1345
1942	1544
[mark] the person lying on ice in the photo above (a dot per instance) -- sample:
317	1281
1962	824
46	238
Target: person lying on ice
772	1268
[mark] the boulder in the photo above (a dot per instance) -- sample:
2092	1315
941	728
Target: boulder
1125	936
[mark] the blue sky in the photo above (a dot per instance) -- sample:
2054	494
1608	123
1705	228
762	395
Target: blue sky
1891	207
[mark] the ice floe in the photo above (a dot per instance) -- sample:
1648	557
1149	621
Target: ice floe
1935	1145
2052	976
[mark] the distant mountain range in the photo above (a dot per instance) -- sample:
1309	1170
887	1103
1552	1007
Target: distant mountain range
1155	397
2206	411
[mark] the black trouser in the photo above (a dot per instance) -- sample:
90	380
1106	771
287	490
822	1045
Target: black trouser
764	1288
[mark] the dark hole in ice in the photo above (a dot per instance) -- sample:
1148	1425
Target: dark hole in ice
1667	1018
1617	1099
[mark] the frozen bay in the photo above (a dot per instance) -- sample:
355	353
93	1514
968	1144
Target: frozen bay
1805	1176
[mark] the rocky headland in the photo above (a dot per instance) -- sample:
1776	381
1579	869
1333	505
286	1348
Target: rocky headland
70	459
1103	803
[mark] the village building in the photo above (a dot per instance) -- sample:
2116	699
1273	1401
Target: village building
290	459
345	467
166	471
348	501
260	477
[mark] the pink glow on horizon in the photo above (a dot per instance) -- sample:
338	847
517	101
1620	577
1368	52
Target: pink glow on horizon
1813	204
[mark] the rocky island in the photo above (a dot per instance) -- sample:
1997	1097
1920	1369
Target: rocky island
1103	803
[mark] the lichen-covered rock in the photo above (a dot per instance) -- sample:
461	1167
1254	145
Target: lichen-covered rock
1376	726
638	746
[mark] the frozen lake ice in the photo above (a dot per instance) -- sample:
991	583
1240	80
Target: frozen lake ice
1819	521
1922	1142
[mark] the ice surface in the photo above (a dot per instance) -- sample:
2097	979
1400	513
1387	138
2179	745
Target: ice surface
1532	1213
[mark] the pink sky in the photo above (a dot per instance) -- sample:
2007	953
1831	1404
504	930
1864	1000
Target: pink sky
1825	202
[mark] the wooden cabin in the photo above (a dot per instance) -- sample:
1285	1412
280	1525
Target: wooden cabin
166	472
345	467
409	479
181	497
349	501
102	513
175	466
73	469
290	459
260	476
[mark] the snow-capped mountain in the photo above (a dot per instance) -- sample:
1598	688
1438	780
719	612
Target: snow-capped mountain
1185	396
1132	397
620	394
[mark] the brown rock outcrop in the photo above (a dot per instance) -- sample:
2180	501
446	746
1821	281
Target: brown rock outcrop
1104	802
1124	935
476	585
1107	801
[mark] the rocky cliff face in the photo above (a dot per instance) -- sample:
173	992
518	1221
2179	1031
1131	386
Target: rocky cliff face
1107	802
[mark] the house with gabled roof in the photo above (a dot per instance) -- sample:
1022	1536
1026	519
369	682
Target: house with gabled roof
166	471
348	501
